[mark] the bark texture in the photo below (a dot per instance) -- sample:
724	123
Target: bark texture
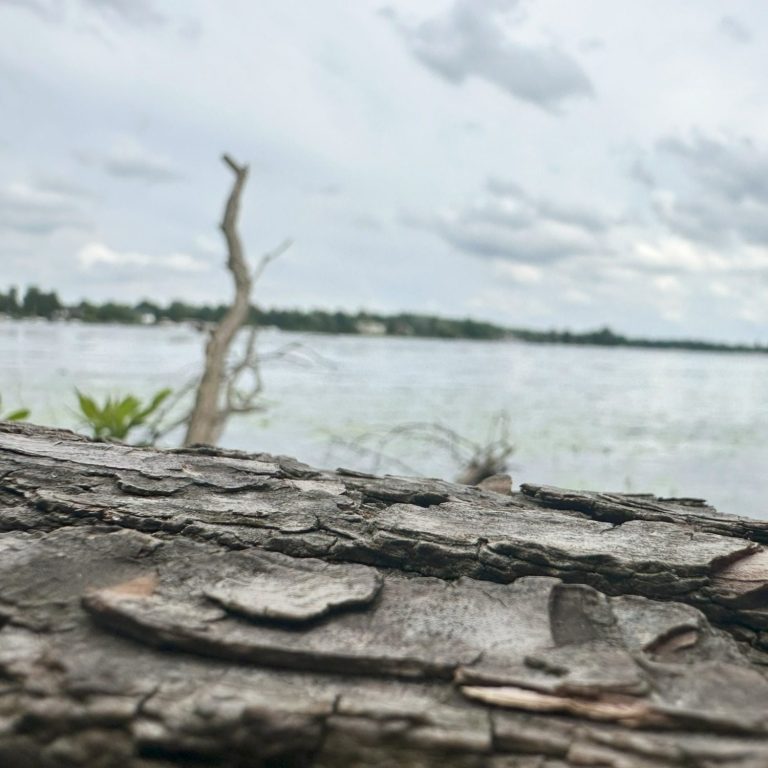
209	607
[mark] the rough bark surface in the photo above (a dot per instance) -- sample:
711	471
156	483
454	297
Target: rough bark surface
209	607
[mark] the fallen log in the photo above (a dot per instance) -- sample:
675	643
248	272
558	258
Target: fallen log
210	607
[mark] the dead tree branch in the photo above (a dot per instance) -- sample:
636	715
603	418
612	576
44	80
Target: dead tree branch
475	460
219	394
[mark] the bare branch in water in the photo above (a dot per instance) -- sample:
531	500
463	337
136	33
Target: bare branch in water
475	460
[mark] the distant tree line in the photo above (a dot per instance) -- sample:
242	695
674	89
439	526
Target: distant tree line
37	303
605	337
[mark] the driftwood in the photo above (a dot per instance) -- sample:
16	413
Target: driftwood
206	607
219	393
206	420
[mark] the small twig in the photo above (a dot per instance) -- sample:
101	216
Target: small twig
475	460
375	454
269	257
156	429
286	353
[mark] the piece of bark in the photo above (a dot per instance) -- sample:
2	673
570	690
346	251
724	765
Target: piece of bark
295	597
215	608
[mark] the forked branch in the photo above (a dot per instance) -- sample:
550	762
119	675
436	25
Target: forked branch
218	395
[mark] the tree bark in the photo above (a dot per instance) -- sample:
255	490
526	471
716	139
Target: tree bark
206	420
210	607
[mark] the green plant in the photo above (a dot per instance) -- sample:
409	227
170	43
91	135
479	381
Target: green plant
18	415
117	416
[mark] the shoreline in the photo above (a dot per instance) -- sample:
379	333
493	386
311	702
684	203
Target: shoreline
603	338
46	305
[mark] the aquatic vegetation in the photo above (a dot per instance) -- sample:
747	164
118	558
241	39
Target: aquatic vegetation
20	414
117	416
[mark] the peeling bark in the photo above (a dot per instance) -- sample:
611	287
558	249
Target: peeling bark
211	607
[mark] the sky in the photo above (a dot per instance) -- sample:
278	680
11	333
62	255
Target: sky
536	163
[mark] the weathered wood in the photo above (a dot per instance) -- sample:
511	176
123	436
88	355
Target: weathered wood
211	607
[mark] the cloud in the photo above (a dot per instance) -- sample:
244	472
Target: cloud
732	28
590	258
525	274
472	40
208	245
129	159
713	191
736	167
668	284
562	212
94	255
63	187
367	221
40	209
681	256
139	13
330	190
675	254
509	224
641	173
45	10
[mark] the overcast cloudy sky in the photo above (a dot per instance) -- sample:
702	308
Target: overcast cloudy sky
539	163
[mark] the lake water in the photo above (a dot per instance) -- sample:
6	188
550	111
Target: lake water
664	422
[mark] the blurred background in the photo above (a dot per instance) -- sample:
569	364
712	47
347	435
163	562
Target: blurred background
547	170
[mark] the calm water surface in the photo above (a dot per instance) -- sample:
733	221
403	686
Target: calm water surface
666	422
